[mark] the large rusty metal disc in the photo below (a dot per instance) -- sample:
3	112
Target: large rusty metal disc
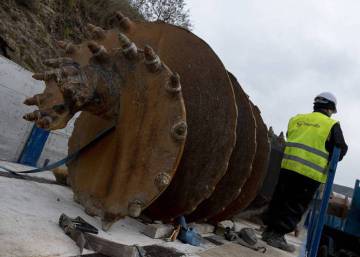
211	115
121	171
263	198
210	107
240	164
129	168
259	171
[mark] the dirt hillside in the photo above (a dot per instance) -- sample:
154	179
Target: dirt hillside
29	28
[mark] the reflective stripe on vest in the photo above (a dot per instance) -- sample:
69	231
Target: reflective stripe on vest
305	150
309	149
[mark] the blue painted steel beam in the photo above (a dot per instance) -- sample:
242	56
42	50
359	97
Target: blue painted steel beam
352	225
316	231
33	147
311	219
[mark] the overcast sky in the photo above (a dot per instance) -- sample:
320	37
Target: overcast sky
284	52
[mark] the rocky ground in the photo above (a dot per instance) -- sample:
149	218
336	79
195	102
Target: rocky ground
29	28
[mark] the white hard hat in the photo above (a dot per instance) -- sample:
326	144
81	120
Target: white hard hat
326	98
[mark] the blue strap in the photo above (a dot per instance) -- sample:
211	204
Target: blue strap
67	159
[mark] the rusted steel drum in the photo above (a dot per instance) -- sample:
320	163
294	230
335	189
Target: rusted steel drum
240	164
210	107
259	170
133	90
211	115
135	164
258	205
124	172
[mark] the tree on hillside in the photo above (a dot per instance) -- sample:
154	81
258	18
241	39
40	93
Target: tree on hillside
169	11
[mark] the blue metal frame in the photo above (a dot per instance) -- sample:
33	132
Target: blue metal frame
317	220
34	146
352	225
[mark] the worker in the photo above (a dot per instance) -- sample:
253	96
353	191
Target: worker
310	141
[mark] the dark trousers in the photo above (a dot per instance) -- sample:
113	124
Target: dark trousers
290	201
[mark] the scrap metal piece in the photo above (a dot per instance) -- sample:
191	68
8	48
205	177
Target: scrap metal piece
69	224
259	171
240	164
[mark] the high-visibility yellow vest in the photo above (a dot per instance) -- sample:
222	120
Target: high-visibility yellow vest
305	151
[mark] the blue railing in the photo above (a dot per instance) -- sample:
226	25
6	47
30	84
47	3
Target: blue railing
318	213
34	146
352	224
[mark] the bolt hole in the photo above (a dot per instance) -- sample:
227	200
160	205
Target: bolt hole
179	131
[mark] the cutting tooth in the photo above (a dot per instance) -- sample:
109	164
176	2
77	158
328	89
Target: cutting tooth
67	46
98	51
124	40
175	79
32	116
149	53
56	74
44	122
128	48
94	47
152	61
97	32
67	71
34	100
134	209
39	76
61	44
57	62
120	15
174	86
125	22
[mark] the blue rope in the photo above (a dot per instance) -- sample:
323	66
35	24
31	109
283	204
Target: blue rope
67	159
